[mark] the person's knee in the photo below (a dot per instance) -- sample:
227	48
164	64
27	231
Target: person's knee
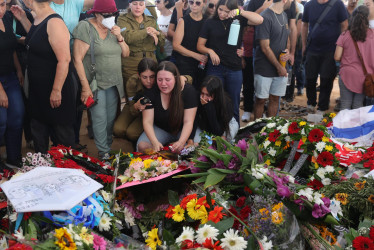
119	130
260	101
132	135
143	146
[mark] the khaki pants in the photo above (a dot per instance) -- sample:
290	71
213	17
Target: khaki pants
127	125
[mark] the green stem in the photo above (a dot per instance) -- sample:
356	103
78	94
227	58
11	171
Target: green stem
318	236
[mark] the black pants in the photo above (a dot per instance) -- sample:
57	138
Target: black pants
62	135
323	65
248	84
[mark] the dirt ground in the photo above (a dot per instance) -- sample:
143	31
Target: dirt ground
127	146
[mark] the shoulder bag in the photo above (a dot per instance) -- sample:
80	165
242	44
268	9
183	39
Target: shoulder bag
369	77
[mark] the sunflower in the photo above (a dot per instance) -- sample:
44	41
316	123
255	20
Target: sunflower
342	197
152	240
64	239
371	198
360	185
178	213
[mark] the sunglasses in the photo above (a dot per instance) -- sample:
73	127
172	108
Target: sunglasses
194	2
110	15
158	1
211	5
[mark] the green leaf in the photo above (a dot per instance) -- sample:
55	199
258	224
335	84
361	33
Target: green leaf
190	175
212	154
331	220
202	164
173	198
213	178
252	243
223	171
226	158
200	180
223	225
32	230
168	237
42	219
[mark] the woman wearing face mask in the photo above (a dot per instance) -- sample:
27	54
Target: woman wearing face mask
163	121
224	60
185	40
141	34
108	49
11	102
163	22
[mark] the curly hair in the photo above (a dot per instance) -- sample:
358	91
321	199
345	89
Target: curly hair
359	23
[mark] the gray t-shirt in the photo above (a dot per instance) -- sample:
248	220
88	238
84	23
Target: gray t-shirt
274	28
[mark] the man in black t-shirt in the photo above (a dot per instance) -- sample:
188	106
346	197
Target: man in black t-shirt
270	77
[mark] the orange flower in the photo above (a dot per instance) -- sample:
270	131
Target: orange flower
202	202
371	198
216	214
342	197
360	185
169	212
187	199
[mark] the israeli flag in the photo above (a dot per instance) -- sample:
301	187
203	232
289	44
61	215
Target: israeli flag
355	125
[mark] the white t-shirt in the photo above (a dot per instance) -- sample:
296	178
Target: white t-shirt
371	24
163	24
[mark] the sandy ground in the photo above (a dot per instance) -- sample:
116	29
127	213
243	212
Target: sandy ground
126	146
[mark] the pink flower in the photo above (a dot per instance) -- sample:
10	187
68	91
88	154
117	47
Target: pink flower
242	144
99	243
140	207
283	191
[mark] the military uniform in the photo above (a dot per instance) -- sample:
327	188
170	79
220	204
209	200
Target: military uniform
140	43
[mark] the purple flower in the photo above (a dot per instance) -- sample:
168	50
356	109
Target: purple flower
242	144
283	191
326	201
219	164
300	202
194	170
320	210
203	158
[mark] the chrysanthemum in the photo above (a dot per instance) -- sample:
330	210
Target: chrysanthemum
232	241
104	223
320	146
178	214
205	232
153	240
266	245
187	234
107	196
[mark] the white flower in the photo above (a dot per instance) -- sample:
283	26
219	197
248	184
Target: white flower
317	198
13	217
205	232
329	169
279	127
266	144
232	241
303	131
326	181
272	151
320	146
321	173
291	179
307	192
271	125
187	234
287	138
335	208
104	223
263	170
19	234
129	218
284	129
267	245
3	243
107	196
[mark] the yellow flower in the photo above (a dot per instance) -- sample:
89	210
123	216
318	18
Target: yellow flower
159	158
267	138
304	139
203	215
147	163
332	115
325	139
267	162
277	206
360	185
277	217
329	147
134	160
265	213
64	239
278	143
342	197
316	165
152	239
195	211
178	213
302	123
324	120
86	237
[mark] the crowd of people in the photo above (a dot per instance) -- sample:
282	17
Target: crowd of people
202	54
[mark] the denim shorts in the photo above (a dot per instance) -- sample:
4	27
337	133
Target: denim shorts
275	86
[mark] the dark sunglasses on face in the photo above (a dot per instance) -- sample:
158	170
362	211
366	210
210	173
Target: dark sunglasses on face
158	1
110	15
211	5
194	2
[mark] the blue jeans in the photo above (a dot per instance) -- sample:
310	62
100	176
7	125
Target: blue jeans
232	83
103	115
11	118
162	136
349	99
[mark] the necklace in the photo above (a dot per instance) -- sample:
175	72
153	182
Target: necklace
224	26
277	18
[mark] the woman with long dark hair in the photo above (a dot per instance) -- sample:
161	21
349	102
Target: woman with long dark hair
351	76
215	112
163	121
224	59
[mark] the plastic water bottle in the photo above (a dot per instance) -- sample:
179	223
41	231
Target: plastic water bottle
202	64
234	33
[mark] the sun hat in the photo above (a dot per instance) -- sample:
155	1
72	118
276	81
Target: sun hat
103	6
130	1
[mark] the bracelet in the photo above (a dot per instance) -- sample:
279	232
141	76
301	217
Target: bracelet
120	41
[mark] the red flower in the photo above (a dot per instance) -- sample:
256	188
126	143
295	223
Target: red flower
248	190
216	214
241	201
18	246
244	213
315	184
236	222
187	244
209	244
371	234
187	199
169	212
325	158
202	202
293	128
369	164
361	243
315	135
273	136
282	164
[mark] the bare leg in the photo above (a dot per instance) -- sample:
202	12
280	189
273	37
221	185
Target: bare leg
143	146
259	107
273	105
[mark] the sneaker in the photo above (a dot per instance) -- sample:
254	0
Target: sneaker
246	116
310	109
300	92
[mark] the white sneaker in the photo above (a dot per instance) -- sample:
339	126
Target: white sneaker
246	116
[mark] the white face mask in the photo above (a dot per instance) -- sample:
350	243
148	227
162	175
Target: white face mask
109	22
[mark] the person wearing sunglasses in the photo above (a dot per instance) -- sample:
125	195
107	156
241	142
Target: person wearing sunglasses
109	47
142	34
224	60
211	8
163	21
185	40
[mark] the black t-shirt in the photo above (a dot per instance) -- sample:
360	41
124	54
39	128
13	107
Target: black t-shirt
161	116
8	45
275	29
254	5
217	32
174	16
